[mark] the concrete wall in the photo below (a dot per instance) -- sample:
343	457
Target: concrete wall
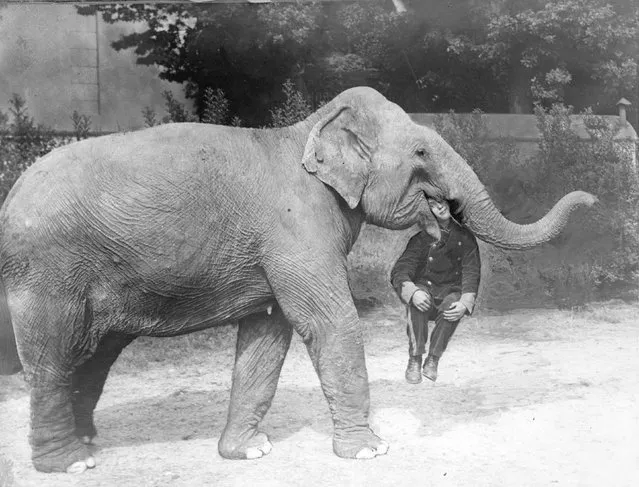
44	53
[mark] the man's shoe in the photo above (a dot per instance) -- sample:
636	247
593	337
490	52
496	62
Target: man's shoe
413	375
430	368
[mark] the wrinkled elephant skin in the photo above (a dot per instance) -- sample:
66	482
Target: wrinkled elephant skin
182	227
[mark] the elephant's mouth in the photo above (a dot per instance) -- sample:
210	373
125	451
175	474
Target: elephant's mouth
429	221
434	193
456	210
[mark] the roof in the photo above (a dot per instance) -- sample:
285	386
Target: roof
524	127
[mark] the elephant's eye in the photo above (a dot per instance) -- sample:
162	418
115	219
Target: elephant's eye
421	153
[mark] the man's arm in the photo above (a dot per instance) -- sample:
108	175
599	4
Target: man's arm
405	269
471	273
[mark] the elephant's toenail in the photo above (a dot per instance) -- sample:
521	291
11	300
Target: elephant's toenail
77	467
253	453
365	454
267	447
382	449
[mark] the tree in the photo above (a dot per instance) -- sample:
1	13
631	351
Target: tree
247	51
294	109
426	55
578	51
216	106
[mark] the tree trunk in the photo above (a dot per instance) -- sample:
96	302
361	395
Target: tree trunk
520	97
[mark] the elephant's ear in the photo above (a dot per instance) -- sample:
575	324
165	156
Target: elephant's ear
339	152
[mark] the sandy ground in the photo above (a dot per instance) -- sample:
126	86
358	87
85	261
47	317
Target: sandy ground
525	398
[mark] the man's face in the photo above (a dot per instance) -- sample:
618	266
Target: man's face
440	209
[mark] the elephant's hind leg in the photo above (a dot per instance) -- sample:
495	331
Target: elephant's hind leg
49	339
88	382
262	343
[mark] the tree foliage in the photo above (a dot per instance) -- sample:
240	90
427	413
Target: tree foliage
602	166
294	108
597	254
216	106
498	55
557	51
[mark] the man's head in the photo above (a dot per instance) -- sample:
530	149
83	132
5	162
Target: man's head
440	209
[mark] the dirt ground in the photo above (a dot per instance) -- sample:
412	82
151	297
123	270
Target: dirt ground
525	398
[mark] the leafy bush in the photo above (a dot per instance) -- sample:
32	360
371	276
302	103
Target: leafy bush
21	143
294	108
150	117
216	106
177	112
467	135
81	125
601	166
598	255
216	110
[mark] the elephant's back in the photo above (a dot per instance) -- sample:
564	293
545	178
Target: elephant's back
156	186
175	154
174	147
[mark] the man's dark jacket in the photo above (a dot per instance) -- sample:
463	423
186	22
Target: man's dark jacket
450	265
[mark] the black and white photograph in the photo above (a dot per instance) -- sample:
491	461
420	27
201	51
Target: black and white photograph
319	242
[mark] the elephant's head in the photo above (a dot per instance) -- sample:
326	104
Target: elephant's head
370	151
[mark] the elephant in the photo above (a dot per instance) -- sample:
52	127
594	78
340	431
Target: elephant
181	227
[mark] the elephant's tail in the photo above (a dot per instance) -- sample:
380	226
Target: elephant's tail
9	359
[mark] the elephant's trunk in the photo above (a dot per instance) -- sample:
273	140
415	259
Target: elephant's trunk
485	221
483	218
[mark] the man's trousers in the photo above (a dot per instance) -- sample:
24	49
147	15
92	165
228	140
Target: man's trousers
417	326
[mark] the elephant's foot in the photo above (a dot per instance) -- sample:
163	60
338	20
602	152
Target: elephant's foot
361	445
255	446
54	444
75	459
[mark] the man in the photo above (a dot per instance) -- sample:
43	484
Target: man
437	281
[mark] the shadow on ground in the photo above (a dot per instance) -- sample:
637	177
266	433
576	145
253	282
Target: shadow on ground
186	415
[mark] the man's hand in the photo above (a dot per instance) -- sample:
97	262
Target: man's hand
455	312
421	301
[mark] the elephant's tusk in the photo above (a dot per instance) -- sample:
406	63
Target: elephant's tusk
269	309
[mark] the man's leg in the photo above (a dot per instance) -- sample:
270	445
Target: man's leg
417	331
440	337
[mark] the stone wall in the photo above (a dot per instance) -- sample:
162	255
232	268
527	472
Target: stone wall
522	129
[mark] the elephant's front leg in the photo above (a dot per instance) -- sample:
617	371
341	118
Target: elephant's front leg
317	302
262	343
338	356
